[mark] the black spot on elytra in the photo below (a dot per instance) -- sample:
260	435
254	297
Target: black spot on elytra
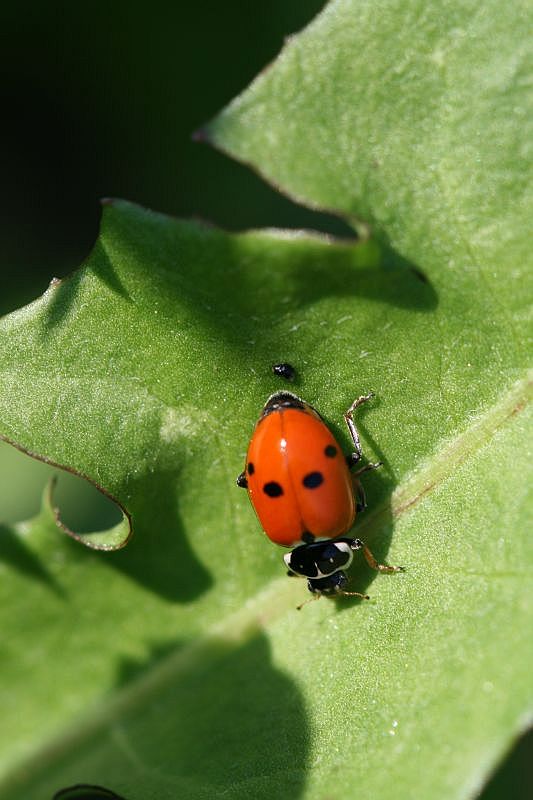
312	480
250	468
307	537
272	489
330	451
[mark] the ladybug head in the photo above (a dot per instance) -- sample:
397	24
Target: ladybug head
281	400
331	584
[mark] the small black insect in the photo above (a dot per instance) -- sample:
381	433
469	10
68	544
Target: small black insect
285	371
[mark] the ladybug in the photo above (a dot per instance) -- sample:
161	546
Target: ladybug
304	492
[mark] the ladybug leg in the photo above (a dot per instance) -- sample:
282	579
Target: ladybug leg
354	594
242	481
367	468
353	459
357	544
348	418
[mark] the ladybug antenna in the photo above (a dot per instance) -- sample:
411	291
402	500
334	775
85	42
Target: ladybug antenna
316	596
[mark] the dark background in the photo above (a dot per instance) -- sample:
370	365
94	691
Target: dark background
101	100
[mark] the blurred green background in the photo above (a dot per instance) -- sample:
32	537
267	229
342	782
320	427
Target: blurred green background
101	100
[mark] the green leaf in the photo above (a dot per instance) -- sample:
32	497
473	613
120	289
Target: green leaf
411	117
178	666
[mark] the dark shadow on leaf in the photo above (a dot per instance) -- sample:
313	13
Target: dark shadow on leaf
207	719
62	295
375	528
307	280
129	669
341	434
229	722
64	292
239	286
513	778
394	280
19	557
159	556
378	486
